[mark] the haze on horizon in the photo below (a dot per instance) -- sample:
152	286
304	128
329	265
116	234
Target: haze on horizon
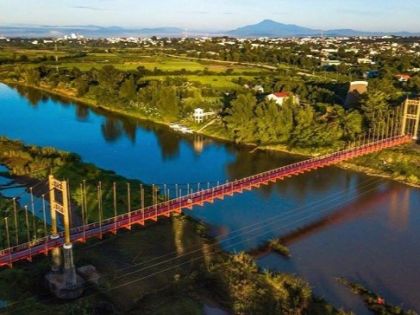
372	15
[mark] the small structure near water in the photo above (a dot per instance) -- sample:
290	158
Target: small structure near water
200	115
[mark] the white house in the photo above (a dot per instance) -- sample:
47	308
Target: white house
365	61
199	115
259	89
279	97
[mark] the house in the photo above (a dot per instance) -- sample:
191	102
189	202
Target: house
279	97
330	63
199	115
403	77
366	61
258	89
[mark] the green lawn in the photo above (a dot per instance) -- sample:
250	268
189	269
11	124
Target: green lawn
215	81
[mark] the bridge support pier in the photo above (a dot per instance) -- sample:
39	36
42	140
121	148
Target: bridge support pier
66	284
69	269
56	259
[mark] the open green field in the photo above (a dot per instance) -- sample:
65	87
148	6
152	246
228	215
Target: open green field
30	53
215	81
131	59
127	60
123	62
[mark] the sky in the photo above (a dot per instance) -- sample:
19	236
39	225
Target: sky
367	15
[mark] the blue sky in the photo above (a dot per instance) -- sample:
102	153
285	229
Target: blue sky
370	15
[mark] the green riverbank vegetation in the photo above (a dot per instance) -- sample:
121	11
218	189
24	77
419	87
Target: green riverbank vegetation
244	117
33	164
150	83
375	303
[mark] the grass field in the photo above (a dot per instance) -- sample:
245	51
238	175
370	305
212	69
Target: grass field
150	63
215	81
130	60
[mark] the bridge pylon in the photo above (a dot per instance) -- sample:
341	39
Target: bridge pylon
64	282
411	118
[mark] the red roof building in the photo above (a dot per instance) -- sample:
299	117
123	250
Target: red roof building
403	77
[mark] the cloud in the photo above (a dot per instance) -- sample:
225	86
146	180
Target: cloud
85	7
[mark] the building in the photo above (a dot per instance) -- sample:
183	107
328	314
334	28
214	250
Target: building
356	89
279	97
371	74
365	61
258	89
330	63
199	115
403	77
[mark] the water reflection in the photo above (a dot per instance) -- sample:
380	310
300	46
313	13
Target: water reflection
111	129
82	113
352	211
168	142
33	96
399	210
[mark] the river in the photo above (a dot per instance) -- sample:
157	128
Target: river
363	228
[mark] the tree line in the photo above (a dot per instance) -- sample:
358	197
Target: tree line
317	121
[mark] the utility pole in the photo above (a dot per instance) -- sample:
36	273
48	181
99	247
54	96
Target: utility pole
56	56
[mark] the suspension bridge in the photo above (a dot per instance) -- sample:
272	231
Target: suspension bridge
391	135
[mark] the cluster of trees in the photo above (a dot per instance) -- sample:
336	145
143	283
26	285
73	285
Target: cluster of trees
319	121
297	125
167	99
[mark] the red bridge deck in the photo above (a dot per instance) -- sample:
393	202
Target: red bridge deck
79	234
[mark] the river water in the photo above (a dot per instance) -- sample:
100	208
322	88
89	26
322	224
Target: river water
337	223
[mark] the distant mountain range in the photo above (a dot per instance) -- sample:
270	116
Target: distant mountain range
266	28
270	28
86	30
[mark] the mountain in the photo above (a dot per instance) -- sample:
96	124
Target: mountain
270	28
266	28
86	30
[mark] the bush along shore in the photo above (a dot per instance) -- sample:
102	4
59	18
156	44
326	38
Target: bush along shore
233	282
373	301
313	126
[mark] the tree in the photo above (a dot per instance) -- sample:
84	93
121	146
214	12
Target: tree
82	85
128	89
274	123
352	125
32	76
375	108
167	102
240	118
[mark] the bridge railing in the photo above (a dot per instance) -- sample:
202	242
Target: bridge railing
184	201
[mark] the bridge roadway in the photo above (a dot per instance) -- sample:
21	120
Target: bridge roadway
43	245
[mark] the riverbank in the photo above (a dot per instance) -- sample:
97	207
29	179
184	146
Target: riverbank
31	165
217	132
